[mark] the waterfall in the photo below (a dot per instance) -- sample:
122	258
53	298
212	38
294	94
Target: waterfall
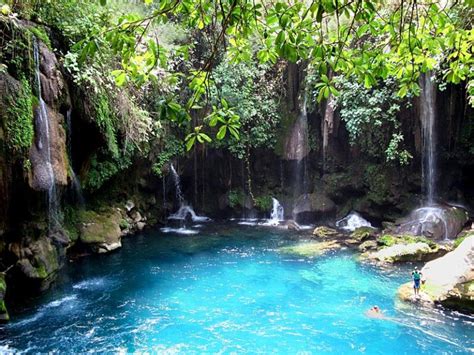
427	115
184	209
297	150
177	185
278	213
352	221
75	183
44	144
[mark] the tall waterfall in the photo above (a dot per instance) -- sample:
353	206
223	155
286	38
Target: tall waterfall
44	144
296	151
428	117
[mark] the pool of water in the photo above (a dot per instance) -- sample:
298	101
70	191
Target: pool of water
228	289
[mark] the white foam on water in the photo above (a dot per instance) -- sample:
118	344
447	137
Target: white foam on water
183	231
61	301
95	283
185	211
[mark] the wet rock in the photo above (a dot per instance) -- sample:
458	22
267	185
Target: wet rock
52	82
434	222
363	233
101	231
368	245
136	216
292	225
326	232
141	225
39	260
310	249
4	317
130	205
313	205
401	252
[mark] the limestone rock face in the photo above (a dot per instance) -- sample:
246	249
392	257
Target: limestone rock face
101	231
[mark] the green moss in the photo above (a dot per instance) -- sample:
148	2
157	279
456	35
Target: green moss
264	203
388	240
236	198
124	224
40	33
19	124
105	119
363	233
461	238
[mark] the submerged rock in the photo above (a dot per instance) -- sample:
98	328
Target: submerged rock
434	222
101	231
292	225
310	249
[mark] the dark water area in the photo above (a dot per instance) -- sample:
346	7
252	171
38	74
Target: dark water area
229	289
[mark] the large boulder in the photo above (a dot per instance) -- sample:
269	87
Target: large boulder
441	222
405	248
451	278
101	230
313	206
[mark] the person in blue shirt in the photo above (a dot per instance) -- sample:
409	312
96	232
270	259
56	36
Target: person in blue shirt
416	275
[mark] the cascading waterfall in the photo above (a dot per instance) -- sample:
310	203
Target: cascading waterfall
177	185
76	184
429	137
44	144
278	213
184	209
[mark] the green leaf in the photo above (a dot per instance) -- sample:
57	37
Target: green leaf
221	133
190	143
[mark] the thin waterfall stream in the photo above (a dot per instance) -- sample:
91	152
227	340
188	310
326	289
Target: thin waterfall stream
44	144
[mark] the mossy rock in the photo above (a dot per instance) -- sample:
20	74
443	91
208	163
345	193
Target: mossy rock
40	260
310	249
363	233
100	230
368	245
388	240
325	232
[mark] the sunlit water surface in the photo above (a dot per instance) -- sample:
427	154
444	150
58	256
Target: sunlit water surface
227	289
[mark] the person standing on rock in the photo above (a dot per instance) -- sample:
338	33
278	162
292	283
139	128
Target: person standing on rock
416	281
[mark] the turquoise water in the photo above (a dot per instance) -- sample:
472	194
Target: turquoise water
226	290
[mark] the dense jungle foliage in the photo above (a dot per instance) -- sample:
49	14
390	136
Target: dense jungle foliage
161	77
